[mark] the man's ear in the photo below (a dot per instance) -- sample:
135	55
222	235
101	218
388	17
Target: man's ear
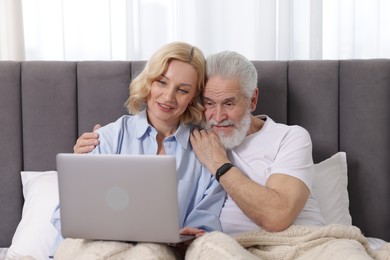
254	98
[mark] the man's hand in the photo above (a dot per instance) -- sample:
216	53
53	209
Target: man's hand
87	141
208	149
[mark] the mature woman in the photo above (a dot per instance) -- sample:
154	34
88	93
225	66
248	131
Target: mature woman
164	104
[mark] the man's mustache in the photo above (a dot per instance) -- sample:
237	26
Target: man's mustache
212	123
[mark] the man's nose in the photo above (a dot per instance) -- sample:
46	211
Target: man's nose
220	114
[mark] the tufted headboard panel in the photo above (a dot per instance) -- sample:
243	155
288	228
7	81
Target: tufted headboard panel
344	104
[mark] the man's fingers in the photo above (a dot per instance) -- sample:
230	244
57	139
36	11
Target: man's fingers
89	135
84	149
96	127
86	143
195	132
199	133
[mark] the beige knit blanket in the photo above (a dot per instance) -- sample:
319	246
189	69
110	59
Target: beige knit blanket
296	242
311	242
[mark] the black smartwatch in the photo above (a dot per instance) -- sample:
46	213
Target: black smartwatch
222	170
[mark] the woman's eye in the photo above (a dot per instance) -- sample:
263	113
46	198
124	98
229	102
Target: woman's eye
182	91
161	82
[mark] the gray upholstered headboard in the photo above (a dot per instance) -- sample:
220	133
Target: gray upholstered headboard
345	105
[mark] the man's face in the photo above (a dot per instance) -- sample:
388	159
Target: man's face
227	110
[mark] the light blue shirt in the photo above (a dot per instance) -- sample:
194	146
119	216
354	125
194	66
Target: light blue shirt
200	196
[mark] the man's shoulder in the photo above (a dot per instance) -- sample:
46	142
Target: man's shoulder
291	129
280	131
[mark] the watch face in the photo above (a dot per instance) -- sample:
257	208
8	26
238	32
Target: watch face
222	170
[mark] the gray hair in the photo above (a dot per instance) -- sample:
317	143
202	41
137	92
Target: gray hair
229	65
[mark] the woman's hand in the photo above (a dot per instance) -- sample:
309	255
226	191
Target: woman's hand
192	231
180	248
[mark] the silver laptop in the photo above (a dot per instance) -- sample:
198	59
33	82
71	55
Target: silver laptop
119	197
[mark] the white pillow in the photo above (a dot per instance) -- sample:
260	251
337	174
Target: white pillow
330	189
35	234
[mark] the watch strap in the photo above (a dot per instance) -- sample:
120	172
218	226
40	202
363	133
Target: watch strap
222	170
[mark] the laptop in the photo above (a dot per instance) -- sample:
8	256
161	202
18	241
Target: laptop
119	197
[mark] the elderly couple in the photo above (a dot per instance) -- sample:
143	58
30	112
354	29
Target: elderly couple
237	172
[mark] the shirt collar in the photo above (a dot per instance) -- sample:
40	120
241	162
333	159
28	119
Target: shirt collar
143	127
182	135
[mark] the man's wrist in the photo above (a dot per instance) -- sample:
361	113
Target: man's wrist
222	170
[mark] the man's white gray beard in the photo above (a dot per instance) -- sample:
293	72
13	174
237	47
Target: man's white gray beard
239	132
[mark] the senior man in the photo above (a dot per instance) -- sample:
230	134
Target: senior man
267	171
266	168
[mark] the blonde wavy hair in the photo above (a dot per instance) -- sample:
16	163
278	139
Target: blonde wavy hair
156	66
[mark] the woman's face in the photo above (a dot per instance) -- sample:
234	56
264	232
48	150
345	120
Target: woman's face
171	93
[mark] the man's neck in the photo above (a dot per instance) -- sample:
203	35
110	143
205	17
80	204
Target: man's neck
256	125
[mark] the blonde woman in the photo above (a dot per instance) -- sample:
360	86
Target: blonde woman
165	104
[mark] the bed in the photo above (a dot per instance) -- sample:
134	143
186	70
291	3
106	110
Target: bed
46	105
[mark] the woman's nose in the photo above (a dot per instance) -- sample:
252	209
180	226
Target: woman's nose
169	93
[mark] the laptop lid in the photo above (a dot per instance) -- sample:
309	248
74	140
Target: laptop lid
119	197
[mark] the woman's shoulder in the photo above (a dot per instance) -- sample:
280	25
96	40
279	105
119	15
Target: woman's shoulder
119	124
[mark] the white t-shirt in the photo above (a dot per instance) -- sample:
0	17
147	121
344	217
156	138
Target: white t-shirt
276	148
